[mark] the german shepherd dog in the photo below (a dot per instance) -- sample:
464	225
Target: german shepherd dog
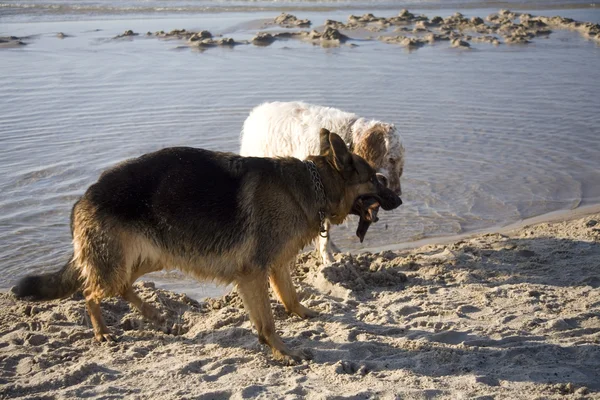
215	216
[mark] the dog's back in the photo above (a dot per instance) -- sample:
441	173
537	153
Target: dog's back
165	195
291	129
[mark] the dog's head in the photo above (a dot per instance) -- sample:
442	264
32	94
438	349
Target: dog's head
356	179
382	147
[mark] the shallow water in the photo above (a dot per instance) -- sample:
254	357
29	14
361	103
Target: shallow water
75	9
493	135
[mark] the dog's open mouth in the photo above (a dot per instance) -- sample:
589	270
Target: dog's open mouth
367	207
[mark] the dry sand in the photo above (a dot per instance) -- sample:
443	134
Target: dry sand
513	315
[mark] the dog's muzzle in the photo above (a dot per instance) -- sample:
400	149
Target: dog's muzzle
388	200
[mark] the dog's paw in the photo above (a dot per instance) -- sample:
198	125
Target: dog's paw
293	357
305	312
159	319
105	337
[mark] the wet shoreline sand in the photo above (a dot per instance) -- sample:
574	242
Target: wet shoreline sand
513	315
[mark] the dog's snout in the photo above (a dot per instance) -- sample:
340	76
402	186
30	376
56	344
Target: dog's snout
389	199
397	202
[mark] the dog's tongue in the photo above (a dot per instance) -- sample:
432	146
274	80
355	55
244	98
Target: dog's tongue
366	208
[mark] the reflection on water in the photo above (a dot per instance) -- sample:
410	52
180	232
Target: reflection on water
492	135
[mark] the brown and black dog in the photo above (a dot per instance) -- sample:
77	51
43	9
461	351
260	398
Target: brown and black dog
215	216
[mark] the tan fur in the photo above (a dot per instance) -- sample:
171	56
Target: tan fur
372	146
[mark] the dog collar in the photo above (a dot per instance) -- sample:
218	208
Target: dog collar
320	194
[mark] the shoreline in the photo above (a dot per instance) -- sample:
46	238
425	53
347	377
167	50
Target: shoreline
552	216
202	290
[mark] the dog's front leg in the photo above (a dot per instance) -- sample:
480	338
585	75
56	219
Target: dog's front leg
284	287
253	288
326	246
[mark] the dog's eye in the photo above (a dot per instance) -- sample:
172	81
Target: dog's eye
392	161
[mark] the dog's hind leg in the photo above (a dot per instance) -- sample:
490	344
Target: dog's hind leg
253	288
284	287
147	310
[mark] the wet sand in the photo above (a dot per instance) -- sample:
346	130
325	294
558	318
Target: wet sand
501	315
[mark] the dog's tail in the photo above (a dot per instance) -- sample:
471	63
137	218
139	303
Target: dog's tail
54	285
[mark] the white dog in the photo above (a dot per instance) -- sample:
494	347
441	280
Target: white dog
292	129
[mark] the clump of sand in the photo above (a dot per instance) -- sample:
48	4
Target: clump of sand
417	31
7	42
127	34
290	21
513	315
329	37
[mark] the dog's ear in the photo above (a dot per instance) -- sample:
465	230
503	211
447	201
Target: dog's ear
342	158
324	141
372	147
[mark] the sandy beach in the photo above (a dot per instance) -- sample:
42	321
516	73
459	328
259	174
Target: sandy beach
512	315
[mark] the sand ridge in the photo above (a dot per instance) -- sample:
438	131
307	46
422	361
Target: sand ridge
513	315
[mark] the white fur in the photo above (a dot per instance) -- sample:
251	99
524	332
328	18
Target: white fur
291	129
280	129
